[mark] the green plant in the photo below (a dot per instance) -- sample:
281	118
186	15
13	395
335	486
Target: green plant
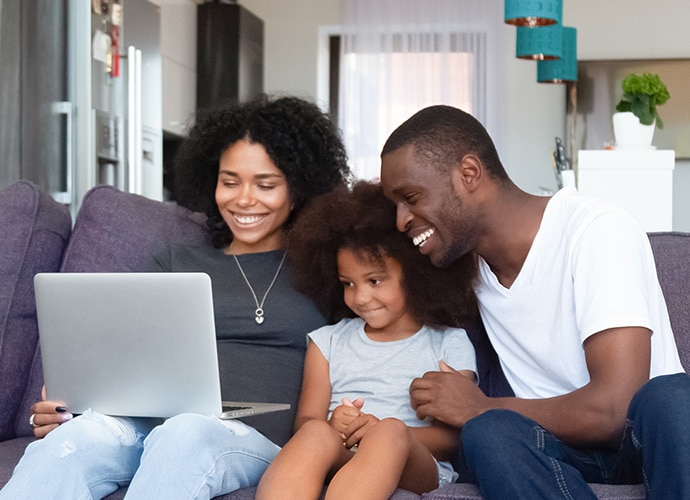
641	95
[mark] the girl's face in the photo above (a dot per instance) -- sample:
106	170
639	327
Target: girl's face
253	198
374	293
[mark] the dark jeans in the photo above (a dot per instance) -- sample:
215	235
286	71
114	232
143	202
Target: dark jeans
511	456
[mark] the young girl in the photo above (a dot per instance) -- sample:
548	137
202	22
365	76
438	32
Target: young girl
354	425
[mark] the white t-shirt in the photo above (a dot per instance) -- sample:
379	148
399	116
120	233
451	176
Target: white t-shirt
381	372
590	268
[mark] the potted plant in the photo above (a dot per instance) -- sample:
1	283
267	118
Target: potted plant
633	125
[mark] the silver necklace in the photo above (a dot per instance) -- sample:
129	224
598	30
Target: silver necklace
259	318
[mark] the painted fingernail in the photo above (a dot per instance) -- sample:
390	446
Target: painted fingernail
60	409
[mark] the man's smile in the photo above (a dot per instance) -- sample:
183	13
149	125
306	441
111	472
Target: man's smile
420	239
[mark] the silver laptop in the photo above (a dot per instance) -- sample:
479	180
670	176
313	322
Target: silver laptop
134	344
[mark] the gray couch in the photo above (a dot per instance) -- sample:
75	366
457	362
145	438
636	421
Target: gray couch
115	232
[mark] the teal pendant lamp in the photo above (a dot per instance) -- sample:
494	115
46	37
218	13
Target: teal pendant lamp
539	44
533	13
563	69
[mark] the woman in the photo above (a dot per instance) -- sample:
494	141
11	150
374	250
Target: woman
251	168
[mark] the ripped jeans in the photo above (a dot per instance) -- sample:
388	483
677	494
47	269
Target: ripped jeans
186	456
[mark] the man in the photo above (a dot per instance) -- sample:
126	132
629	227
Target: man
569	296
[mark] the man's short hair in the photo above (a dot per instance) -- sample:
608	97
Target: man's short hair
444	135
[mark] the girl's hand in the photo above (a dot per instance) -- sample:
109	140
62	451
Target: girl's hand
358	428
47	415
344	414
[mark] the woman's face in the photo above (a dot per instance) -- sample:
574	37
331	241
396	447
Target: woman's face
253	198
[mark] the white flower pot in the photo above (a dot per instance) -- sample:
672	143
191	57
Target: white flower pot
630	133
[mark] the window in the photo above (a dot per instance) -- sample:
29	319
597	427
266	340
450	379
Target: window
372	89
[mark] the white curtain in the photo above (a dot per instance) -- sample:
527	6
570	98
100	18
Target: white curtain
398	56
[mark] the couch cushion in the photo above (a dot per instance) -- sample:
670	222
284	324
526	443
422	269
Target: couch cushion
10	453
33	233
602	491
117	232
249	493
672	256
492	380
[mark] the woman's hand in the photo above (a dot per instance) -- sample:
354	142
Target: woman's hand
47	415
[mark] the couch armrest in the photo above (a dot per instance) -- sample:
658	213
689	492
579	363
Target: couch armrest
33	232
672	257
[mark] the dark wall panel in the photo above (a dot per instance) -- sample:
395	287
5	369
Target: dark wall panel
230	51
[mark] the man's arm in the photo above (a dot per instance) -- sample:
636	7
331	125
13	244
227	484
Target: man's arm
618	361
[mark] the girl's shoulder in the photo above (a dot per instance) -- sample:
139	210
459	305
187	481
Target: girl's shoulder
445	331
342	327
448	338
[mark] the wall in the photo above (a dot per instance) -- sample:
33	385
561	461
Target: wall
178	51
629	29
526	116
292	37
291	43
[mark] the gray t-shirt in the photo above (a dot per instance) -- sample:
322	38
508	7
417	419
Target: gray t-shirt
381	372
261	363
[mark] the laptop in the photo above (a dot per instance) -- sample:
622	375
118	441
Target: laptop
133	344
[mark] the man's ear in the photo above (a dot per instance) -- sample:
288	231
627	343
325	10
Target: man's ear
467	174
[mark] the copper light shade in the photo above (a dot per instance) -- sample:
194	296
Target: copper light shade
563	69
539	44
533	13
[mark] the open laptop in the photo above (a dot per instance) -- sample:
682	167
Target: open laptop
134	344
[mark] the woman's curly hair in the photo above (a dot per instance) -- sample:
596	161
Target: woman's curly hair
363	220
299	138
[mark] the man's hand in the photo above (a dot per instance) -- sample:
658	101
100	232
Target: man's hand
447	395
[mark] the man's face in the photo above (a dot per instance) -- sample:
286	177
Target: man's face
429	209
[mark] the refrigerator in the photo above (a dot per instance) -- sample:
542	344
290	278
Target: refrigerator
82	96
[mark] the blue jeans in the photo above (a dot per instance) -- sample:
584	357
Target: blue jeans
511	456
187	456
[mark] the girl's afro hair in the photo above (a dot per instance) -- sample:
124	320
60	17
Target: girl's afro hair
363	220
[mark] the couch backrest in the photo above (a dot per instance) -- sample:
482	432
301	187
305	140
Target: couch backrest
33	233
672	255
117	232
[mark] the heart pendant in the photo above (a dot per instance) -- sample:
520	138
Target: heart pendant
259	319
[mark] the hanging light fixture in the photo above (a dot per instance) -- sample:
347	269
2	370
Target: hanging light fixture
563	69
540	44
533	13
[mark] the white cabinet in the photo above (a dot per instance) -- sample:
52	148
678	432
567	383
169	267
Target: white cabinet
640	180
